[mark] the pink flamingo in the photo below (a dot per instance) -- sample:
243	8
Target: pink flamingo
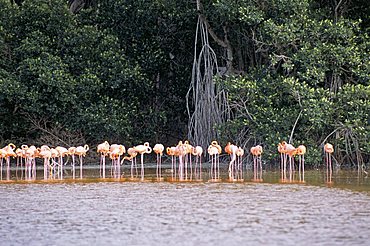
115	153
198	152
103	150
20	155
132	157
9	149
291	152
214	150
143	149
187	159
256	151
231	149
45	153
81	152
283	157
329	149
62	152
158	149
72	153
301	151
240	154
2	157
181	152
31	153
54	156
173	152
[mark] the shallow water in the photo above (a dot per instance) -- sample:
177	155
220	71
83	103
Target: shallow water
92	212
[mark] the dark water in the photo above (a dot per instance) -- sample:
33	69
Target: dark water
92	212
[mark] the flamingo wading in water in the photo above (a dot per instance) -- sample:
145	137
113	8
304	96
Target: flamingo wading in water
158	149
256	151
328	149
81	152
214	150
301	151
103	150
143	149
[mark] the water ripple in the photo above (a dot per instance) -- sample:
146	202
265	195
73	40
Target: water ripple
181	213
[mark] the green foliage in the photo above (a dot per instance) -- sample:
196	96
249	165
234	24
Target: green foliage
303	62
120	70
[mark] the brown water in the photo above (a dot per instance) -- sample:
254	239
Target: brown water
92	212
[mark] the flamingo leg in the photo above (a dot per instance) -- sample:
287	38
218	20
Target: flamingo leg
34	168
61	167
254	168
290	169
327	166
80	166
200	167
330	167
103	167
186	167
45	169
73	167
281	165
8	168
159	173
303	168
241	167
100	165
211	170
285	164
142	166
261	167
136	171
21	168
156	170
299	168
1	169
191	167
16	169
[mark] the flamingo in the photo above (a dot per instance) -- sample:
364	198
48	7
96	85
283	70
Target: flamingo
31	153
55	155
62	152
103	150
283	157
329	149
256	151
132	157
198	152
115	153
301	151
240	154
9	152
187	151
2	157
24	148
20	155
214	150
45	153
72	152
181	152
231	149
173	152
158	149
81	152
291	152
143	149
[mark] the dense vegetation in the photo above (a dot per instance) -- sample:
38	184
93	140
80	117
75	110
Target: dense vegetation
120	70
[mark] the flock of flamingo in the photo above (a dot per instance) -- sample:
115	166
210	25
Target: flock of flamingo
183	156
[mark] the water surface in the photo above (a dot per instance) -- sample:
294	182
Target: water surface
185	213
